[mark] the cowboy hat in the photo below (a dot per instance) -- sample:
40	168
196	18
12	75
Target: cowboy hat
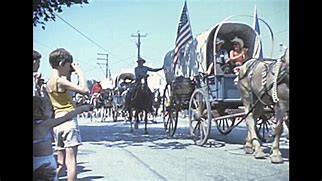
141	59
219	41
238	40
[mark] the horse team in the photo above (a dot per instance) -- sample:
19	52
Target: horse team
112	102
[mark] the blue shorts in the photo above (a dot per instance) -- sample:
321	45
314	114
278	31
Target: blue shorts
39	161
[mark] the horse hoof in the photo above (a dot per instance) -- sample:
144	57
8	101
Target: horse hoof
248	150
276	159
259	155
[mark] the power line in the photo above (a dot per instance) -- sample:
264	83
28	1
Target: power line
86	37
43	45
95	69
81	33
123	60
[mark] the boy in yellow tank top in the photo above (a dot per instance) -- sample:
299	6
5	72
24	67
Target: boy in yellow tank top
67	135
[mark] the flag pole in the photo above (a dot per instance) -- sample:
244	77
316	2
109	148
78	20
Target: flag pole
257	29
188	17
184	34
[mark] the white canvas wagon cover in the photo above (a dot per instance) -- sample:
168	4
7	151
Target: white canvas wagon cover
194	56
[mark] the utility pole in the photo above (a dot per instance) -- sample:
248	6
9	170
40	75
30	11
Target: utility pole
106	64
138	44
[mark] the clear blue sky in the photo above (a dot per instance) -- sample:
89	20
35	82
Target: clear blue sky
110	23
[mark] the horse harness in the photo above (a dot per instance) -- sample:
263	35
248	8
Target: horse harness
136	87
278	69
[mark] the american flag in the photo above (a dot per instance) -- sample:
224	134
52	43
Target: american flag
184	33
256	28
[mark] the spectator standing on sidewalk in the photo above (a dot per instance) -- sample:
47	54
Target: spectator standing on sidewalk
67	135
44	171
36	56
42	137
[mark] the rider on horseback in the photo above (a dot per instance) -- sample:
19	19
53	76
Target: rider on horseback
96	89
141	72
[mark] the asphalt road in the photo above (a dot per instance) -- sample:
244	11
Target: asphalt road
111	152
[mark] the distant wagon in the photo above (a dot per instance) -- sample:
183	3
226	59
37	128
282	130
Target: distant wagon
122	83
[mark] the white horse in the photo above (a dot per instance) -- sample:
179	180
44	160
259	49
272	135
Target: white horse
265	84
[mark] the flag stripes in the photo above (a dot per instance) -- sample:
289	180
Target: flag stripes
184	33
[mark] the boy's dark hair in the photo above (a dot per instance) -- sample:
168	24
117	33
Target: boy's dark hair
35	55
59	55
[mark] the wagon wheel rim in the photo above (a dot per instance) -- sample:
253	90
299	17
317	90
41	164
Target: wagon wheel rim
264	127
166	98
226	125
171	123
199	117
170	115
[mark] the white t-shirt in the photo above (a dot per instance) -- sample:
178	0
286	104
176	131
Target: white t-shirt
222	56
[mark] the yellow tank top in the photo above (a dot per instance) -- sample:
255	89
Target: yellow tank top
61	101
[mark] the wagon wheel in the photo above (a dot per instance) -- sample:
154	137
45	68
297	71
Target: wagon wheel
264	127
199	117
170	114
226	125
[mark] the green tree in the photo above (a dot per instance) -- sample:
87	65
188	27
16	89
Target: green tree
44	10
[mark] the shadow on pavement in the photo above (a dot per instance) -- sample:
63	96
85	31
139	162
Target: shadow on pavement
284	152
119	135
85	178
80	169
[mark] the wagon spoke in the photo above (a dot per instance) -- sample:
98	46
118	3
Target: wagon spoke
220	123
194	103
197	126
200	116
267	126
263	130
264	127
260	125
224	124
204	126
